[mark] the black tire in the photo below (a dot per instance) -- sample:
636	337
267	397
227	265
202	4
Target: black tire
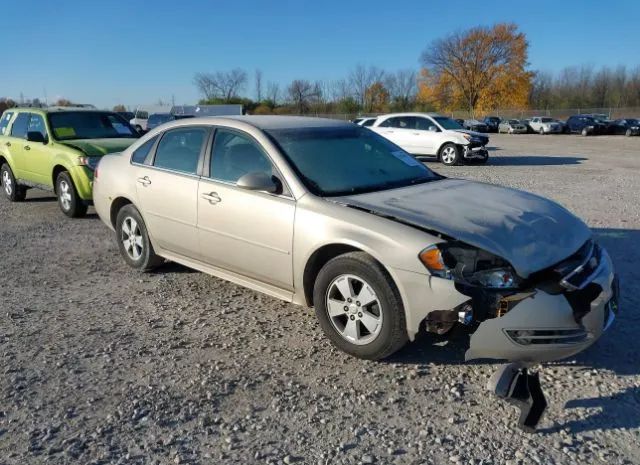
146	256
11	190
68	199
628	133
584	132
455	156
392	334
541	131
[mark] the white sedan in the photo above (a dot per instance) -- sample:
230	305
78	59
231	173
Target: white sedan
433	134
545	125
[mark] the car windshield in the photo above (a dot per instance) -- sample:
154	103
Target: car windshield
69	125
159	118
514	121
333	161
546	120
447	123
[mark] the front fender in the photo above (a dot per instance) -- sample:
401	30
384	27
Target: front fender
81	176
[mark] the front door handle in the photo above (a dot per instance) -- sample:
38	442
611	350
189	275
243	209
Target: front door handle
8	144
145	181
26	147
212	197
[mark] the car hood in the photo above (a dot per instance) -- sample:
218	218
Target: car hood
466	131
99	147
529	231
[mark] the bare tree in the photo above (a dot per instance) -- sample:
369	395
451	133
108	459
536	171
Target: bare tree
221	84
361	78
273	92
258	82
302	94
402	86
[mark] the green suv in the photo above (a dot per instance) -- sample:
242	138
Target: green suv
58	149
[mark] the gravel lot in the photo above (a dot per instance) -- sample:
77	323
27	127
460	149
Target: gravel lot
103	365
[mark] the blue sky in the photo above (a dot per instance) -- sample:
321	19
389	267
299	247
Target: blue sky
136	52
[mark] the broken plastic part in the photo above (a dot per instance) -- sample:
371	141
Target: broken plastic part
516	385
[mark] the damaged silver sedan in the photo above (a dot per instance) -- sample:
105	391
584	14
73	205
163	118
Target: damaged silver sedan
333	216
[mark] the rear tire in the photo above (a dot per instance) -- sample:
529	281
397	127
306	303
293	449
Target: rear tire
68	199
628	133
133	240
541	131
10	188
584	132
450	154
372	330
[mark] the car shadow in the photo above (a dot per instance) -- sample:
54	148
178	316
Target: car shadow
534	160
173	267
40	199
617	411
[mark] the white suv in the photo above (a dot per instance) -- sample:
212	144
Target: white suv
545	125
433	134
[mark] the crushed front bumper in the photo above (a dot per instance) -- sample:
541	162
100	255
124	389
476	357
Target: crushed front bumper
477	152
544	326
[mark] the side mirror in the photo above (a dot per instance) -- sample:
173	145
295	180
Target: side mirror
35	136
260	181
433	129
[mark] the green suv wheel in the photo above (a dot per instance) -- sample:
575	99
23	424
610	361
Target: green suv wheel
10	187
70	203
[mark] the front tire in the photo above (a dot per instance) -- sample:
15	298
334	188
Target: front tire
541	131
133	240
628	133
373	326
584	132
68	199
450	154
10	187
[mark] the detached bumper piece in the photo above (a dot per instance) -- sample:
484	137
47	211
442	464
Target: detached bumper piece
516	385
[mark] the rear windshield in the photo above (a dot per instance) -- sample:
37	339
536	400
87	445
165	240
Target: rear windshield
71	125
159	118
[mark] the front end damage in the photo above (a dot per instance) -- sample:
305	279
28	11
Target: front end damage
552	314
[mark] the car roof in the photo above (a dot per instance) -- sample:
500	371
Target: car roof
58	109
266	122
413	113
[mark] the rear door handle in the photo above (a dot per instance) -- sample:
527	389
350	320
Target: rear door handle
26	147
212	197
145	181
8	144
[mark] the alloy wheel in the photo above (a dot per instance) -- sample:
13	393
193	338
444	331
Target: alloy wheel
131	238
448	155
65	195
6	182
354	309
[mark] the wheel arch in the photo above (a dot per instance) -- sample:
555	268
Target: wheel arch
117	205
55	172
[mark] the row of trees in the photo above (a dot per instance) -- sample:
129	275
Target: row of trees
368	89
586	87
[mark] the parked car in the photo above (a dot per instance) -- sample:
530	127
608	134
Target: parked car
586	125
156	119
139	121
57	149
628	127
475	125
327	214
492	123
545	125
512	126
433	134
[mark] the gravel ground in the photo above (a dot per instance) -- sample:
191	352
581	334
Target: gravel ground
103	365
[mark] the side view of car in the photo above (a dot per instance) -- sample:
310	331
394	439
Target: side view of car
285	206
57	149
628	127
545	125
586	125
433	134
139	120
512	126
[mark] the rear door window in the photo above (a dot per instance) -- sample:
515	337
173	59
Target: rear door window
20	125
142	152
4	122
180	149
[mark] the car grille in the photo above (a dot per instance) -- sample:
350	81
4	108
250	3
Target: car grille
527	337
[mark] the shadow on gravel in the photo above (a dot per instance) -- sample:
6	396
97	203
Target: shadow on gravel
40	199
172	267
619	411
534	160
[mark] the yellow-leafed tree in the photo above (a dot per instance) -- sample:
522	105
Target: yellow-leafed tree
376	98
480	69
